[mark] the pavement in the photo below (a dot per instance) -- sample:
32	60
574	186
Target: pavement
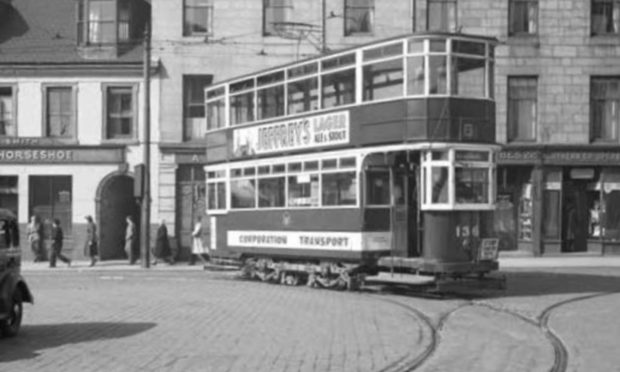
504	263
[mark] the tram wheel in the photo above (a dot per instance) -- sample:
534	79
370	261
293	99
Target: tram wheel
10	326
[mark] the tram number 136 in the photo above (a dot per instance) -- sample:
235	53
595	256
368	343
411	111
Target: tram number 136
465	231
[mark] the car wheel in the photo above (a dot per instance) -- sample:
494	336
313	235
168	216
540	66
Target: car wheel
10	326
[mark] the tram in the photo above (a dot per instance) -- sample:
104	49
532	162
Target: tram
371	160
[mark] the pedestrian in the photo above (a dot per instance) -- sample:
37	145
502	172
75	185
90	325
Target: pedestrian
57	238
131	240
162	245
198	249
34	238
90	247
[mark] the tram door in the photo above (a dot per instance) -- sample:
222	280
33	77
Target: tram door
404	214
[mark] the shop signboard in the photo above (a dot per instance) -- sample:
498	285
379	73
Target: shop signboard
59	155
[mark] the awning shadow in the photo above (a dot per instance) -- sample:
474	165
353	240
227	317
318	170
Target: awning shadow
34	338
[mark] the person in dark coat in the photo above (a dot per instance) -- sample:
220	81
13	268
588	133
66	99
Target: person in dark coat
90	246
162	245
57	238
131	241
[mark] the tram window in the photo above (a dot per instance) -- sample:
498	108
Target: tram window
415	79
242	85
263	169
216	114
471	185
468	47
415	46
217	195
270	102
471	156
438	74
236	172
278	168
303	95
469	77
270	78
302	70
440	155
383	80
294	167
217	92
383	51
241	108
339	188
338	88
437	45
439	179
271	192
377	187
303	191
329	164
243	193
249	171
339	61
347	162
311	165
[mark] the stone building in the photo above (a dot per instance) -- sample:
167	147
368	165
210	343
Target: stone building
72	115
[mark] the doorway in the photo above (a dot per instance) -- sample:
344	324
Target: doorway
116	202
574	216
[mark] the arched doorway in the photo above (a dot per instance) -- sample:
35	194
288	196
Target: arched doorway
115	202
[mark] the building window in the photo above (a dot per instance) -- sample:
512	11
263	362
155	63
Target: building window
103	21
522	108
604	105
7	112
197	17
60	112
441	15
605	17
358	16
120	112
9	193
50	198
274	12
523	16
194	105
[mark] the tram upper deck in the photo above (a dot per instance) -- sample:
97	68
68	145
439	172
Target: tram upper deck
420	87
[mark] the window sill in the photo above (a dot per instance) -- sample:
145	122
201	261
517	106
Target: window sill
603	141
197	38
118	141
518	141
608	39
524	39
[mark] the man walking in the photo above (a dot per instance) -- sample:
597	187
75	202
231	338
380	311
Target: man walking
57	238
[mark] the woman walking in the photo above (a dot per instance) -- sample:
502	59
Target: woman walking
198	249
34	238
90	247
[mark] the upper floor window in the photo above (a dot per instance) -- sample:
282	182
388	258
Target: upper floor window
274	12
194	105
7	109
60	112
120	112
523	17
605	17
441	15
522	108
104	21
604	106
358	16
197	17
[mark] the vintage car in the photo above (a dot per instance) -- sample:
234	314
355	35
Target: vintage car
13	288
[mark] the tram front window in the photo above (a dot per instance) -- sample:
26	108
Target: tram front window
471	185
378	187
440	184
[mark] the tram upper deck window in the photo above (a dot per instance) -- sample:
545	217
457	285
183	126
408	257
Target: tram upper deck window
416	75
338	88
303	95
468	78
383	80
216	108
242	101
438	83
270	102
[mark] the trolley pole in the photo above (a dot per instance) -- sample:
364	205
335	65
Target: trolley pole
146	194
323	25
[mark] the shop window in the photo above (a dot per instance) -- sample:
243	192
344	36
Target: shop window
60	112
605	17
7	112
441	15
197	17
194	105
339	188
121	112
526	213
383	80
8	193
275	12
358	16
51	197
523	17
522	108
604	106
338	88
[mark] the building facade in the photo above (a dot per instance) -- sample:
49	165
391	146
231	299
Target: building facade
72	115
556	87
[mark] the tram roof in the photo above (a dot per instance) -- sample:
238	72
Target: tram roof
421	35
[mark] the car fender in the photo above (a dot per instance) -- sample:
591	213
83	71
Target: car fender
8	285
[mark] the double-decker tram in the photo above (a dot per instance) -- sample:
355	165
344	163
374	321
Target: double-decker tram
368	162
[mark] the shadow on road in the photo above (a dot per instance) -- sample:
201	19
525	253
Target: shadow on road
33	338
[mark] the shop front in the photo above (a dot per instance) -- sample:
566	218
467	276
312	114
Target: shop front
558	200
